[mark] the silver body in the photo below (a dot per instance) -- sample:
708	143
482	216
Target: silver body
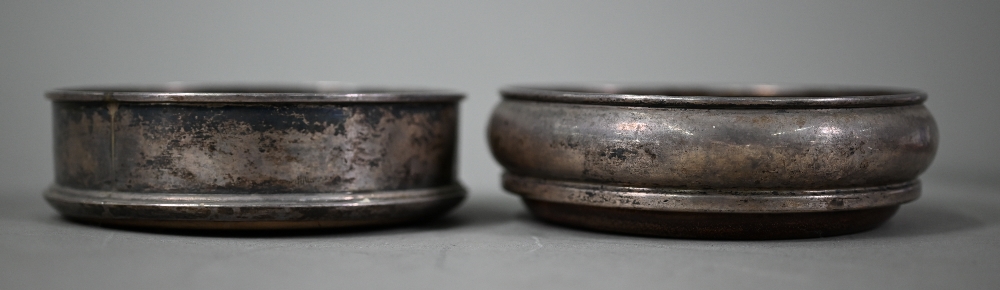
254	158
753	149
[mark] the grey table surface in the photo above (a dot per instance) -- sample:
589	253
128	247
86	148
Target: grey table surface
946	239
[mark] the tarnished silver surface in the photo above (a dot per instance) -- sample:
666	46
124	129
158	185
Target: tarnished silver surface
254	157
733	149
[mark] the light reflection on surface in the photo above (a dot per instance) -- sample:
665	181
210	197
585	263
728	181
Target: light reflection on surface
628	128
675	128
821	131
829	131
631	126
792	131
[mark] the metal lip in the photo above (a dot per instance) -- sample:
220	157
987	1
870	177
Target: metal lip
258	200
254	211
317	92
717	96
743	200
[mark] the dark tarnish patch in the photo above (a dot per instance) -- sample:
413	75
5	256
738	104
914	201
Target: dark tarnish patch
340	130
619	153
82	140
337	181
195	118
373	116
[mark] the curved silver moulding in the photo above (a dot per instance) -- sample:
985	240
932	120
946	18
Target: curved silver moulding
254	211
709	201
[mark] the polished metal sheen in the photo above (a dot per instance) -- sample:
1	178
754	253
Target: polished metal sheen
254	157
728	162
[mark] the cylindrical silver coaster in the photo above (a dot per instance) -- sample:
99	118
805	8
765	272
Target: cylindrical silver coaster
254	157
719	162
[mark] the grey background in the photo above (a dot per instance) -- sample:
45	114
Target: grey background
951	49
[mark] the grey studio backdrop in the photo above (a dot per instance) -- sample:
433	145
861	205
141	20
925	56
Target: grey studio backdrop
951	49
